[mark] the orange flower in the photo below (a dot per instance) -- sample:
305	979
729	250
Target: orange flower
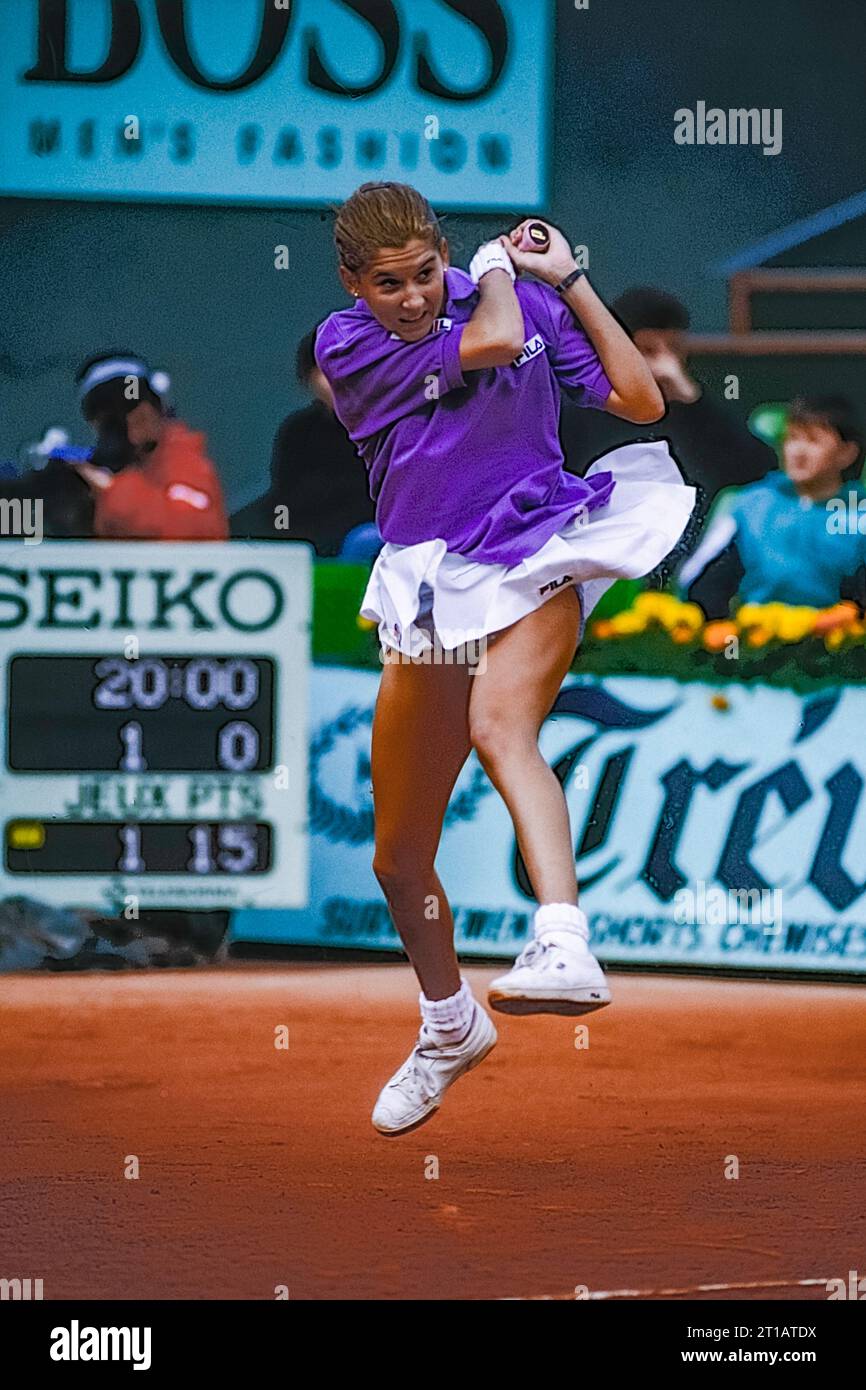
841	615
718	633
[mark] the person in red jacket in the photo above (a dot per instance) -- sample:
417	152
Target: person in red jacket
150	476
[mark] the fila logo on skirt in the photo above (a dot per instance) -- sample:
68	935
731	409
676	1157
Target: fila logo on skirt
556	583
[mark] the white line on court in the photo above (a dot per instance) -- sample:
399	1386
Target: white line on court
597	1294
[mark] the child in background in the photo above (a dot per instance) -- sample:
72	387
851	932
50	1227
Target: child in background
799	535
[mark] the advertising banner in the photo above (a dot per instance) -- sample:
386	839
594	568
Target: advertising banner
713	826
275	101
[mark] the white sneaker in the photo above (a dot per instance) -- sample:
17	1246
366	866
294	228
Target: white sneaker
550	977
415	1092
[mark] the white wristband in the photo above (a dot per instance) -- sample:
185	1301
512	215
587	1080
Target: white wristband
491	256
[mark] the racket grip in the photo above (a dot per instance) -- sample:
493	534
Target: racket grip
535	238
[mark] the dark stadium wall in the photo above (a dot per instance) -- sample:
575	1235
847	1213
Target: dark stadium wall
195	289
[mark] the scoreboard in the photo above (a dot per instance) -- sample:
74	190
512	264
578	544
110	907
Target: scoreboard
154	735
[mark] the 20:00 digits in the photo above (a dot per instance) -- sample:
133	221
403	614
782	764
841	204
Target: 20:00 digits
202	684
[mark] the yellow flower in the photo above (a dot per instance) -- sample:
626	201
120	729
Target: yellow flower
796	623
774	616
627	624
651	604
750	615
787	622
691	616
666	610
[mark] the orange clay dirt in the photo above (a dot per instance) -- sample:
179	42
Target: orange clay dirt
602	1166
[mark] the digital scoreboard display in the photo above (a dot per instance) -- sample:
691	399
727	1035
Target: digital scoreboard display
158	714
98	847
155	723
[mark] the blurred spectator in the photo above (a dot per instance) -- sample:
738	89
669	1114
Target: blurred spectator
67	502
711	444
794	537
149	474
316	474
362	544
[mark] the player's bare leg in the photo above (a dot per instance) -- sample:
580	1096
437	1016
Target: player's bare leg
420	742
526	665
509	701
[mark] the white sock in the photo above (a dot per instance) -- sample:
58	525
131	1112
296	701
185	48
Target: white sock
449	1019
561	923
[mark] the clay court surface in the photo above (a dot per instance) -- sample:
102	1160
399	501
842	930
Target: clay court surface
557	1167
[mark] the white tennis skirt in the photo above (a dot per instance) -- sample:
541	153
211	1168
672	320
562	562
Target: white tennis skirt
425	595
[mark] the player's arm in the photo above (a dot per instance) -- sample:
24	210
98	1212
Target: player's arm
634	394
494	334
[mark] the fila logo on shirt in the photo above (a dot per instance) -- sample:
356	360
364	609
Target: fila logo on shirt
531	349
438	326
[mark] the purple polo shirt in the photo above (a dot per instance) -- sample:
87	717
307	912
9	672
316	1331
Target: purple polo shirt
474	459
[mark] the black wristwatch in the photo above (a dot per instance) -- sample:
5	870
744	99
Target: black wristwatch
568	281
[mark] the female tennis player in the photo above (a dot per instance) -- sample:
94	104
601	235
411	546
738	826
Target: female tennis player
449	385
